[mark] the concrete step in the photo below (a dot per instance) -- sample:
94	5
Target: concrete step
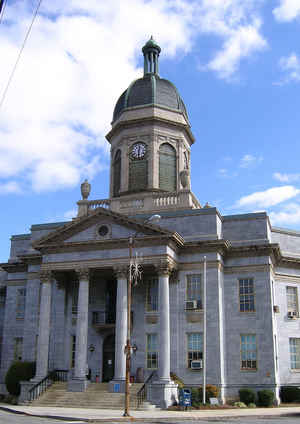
95	397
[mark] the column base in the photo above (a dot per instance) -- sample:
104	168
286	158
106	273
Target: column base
78	385
163	393
117	386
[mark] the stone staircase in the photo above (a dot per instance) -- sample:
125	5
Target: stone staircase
95	397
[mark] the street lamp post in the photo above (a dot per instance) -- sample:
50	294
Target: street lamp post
152	219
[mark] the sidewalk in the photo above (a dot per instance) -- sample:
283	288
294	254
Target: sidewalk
152	415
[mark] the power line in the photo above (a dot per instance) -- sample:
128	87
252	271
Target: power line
20	53
2	8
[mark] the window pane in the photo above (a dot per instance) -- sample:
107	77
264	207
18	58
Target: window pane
195	347
152	295
248	351
152	351
246	293
295	353
292	301
194	289
20	309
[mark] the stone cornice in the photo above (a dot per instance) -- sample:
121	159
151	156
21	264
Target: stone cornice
13	267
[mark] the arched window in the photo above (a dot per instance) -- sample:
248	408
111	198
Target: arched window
138	167
117	174
167	167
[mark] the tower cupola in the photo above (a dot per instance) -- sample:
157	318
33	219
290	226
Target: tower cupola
151	51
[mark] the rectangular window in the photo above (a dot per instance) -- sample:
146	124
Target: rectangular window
195	347
194	289
75	287
295	353
18	349
292	300
73	350
246	293
20	310
152	294
248	352
0	348
2	296
152	351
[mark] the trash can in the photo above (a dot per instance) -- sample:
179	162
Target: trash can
185	398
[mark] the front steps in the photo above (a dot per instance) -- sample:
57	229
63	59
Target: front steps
95	397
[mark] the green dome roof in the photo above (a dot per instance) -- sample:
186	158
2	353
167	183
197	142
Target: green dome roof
150	90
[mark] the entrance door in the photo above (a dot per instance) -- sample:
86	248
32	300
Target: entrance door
108	358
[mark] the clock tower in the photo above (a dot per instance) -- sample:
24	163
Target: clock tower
150	144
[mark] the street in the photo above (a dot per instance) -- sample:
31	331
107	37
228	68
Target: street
11	418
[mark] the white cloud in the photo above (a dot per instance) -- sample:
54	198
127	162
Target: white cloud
79	58
291	66
242	42
10	188
289	215
267	198
286	178
249	160
287	10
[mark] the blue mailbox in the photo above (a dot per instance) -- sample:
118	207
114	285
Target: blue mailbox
185	397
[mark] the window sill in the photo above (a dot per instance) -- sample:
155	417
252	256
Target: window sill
248	370
295	371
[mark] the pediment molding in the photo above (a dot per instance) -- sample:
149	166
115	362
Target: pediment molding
57	238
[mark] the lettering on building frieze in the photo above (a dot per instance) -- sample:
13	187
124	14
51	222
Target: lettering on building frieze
83	274
46	276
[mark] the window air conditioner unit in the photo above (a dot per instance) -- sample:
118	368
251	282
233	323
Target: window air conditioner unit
191	304
292	314
196	365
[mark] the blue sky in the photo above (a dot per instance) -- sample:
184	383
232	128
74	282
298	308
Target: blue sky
236	64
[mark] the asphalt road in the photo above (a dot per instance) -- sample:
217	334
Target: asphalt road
10	418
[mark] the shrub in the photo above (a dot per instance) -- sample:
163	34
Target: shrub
247	396
290	394
240	404
251	405
18	371
177	380
197	394
265	397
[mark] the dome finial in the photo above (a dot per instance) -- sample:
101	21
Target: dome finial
151	52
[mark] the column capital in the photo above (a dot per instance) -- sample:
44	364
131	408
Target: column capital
83	273
46	276
164	267
121	271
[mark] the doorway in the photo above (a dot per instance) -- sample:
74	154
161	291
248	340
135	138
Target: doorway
108	358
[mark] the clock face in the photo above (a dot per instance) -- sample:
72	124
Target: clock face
138	150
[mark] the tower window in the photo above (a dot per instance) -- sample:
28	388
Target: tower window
117	174
138	167
167	167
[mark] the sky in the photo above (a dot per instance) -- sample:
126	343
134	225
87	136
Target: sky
236	64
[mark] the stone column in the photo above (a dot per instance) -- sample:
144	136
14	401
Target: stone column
163	392
44	326
164	324
79	382
121	330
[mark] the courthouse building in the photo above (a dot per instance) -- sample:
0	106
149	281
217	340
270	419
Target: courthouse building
63	295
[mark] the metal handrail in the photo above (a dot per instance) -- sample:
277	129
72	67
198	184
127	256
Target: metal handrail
39	388
142	393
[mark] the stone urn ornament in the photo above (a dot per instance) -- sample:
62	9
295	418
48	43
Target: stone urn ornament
185	178
85	189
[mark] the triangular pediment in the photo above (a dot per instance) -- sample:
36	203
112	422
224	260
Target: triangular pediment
100	226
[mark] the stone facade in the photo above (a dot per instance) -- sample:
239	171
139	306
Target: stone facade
63	290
